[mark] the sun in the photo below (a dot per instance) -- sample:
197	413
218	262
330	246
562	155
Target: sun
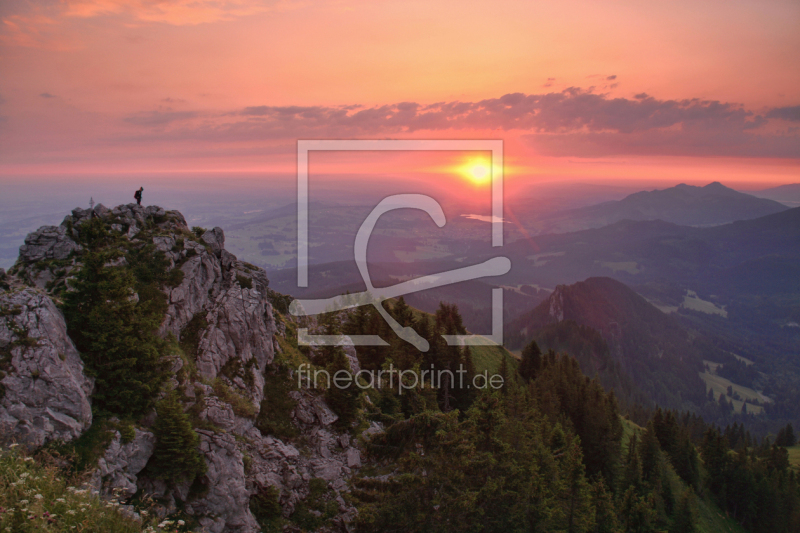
477	171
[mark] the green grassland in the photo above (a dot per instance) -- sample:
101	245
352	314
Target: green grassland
631	267
710	519
490	358
692	301
794	456
629	427
720	386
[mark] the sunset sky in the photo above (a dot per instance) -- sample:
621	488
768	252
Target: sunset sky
658	92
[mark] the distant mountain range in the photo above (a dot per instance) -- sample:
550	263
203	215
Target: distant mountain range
785	194
683	204
639	251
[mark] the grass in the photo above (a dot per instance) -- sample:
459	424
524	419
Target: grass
692	301
720	386
628	429
631	267
711	520
37	498
708	517
794	456
490	358
241	406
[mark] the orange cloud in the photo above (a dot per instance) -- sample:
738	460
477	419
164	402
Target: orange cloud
175	12
35	30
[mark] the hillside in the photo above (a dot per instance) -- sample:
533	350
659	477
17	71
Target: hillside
786	194
144	361
643	345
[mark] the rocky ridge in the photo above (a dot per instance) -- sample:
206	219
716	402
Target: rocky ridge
224	304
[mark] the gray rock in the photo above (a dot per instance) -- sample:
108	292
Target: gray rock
226	505
240	326
353	458
117	470
201	281
215	238
311	409
46	391
48	242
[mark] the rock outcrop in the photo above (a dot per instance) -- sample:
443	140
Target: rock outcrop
44	393
117	470
222	304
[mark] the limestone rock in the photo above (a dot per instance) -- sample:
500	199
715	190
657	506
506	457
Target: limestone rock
117	470
225	507
46	393
48	242
215	238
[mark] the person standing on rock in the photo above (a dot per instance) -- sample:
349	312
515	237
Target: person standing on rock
138	195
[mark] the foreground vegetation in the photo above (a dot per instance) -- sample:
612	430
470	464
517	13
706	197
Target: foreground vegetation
40	498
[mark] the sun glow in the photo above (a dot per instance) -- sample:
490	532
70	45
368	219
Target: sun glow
477	170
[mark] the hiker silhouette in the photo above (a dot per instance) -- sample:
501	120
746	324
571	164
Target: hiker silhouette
138	195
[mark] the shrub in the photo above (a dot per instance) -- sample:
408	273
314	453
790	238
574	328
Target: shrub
174	278
241	405
266	508
190	335
275	416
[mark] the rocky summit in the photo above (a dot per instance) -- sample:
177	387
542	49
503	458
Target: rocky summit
224	340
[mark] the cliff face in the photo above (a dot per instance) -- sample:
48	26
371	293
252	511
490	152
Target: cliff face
44	393
221	311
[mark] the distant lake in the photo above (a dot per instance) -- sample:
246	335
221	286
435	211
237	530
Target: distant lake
484	218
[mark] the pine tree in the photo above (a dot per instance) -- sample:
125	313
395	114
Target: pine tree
345	401
504	373
531	361
579	513
683	521
606	515
176	457
115	330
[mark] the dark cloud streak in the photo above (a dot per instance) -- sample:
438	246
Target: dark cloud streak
574	122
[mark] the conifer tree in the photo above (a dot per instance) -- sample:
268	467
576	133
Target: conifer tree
114	330
176	457
531	361
606	516
683	521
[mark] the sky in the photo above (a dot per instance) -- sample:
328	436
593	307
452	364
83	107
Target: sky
614	91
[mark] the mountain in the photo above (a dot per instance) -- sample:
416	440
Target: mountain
651	348
165	376
683	204
786	194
